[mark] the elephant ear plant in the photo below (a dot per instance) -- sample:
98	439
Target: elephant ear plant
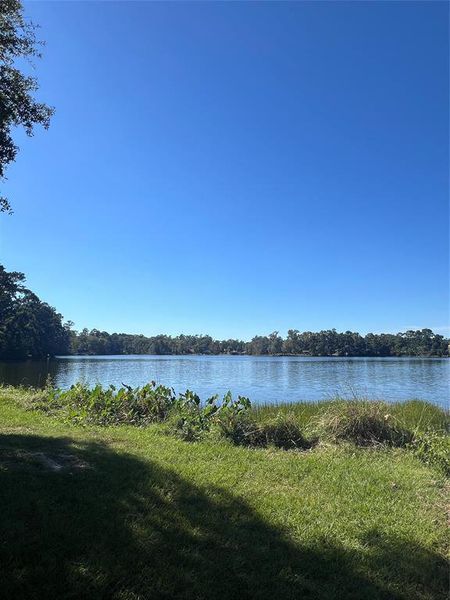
100	405
233	420
194	419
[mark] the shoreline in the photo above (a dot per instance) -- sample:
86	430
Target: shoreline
332	356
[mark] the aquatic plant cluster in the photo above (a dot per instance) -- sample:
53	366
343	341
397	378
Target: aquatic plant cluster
108	405
418	426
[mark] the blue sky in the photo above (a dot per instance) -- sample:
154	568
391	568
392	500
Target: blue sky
237	168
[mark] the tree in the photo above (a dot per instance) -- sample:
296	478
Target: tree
28	327
259	345
11	284
275	343
18	107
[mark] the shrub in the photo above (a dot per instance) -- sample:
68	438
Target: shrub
364	423
433	447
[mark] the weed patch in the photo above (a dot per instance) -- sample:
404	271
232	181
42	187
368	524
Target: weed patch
363	423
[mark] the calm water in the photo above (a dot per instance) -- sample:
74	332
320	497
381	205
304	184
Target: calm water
262	379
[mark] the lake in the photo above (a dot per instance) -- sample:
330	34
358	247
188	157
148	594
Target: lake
264	379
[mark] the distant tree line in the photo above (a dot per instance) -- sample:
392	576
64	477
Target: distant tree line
323	343
30	328
101	342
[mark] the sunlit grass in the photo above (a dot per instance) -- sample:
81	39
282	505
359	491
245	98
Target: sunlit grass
416	415
143	514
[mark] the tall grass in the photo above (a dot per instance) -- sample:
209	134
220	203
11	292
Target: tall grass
363	423
281	431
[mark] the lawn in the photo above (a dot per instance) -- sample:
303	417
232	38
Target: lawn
134	513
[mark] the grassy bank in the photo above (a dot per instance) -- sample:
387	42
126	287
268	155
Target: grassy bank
132	512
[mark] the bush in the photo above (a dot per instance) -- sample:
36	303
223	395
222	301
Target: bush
109	406
433	447
363	423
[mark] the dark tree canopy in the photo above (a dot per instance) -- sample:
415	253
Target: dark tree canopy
28	327
18	107
323	343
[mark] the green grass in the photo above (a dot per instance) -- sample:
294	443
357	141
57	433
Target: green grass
413	414
134	513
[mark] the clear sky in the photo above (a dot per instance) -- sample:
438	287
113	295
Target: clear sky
238	168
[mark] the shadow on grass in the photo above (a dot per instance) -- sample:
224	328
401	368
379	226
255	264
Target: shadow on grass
82	521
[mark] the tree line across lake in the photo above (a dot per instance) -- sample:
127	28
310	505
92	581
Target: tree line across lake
30	328
323	343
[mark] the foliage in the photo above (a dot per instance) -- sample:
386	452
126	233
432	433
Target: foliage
233	414
151	403
194	419
364	423
332	343
433	447
28	326
324	343
101	342
189	417
109	406
18	107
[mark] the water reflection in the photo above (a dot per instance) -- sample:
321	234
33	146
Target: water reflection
263	379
